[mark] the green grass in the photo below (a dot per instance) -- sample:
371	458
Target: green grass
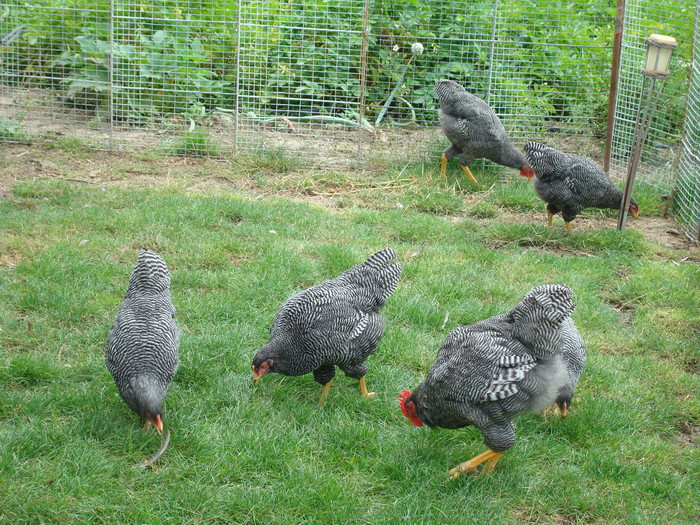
269	453
194	143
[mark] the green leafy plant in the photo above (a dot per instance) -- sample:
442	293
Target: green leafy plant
11	131
157	74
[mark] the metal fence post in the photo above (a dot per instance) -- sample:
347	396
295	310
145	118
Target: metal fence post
110	139
236	96
363	77
489	78
614	76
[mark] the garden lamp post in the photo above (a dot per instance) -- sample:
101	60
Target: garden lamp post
659	49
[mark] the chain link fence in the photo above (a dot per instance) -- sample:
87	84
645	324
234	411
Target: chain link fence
337	82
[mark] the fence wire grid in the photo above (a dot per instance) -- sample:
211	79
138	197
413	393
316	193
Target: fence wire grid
338	82
687	186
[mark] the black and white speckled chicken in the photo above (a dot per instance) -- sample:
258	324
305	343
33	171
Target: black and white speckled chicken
489	372
142	346
568	183
336	323
474	130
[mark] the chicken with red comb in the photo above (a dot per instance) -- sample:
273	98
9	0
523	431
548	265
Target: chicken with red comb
488	373
335	323
475	131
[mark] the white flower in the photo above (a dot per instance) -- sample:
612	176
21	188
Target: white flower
395	48
417	48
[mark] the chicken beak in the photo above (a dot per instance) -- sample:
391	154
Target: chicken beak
157	423
563	409
256	376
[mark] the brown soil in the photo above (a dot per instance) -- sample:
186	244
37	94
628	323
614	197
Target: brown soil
665	231
688	434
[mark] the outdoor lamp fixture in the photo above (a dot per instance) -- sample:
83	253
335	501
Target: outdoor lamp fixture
659	50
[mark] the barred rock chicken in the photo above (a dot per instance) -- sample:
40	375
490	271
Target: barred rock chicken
335	323
489	372
474	130
142	346
569	183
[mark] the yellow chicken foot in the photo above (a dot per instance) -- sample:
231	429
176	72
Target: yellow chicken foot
443	167
490	457
550	216
324	393
363	389
469	173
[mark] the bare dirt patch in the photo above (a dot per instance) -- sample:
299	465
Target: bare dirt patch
664	231
8	260
688	434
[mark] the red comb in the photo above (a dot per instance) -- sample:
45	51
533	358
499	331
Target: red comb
402	400
409	411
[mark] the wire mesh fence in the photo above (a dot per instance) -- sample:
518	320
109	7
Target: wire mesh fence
339	82
335	80
662	148
687	187
661	151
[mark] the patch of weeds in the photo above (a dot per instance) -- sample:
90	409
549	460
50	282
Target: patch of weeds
195	143
433	200
42	189
27	371
580	243
483	210
70	144
11	131
518	196
267	159
651	201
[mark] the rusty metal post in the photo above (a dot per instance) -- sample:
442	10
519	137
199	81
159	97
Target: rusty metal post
614	75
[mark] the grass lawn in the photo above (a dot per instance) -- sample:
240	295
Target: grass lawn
239	238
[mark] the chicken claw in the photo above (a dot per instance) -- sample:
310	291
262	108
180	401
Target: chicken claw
324	393
490	457
363	389
466	170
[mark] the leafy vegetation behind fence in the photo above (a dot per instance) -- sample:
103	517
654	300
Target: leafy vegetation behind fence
170	58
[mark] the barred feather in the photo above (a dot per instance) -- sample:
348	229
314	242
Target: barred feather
335	323
569	183
488	373
473	128
142	346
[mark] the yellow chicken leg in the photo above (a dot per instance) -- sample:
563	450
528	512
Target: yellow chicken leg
490	457
568	227
443	167
550	216
469	173
363	389
324	393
